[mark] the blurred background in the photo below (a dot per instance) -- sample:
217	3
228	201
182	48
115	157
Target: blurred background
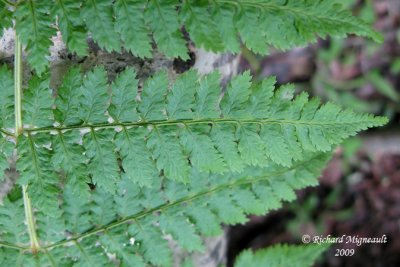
359	192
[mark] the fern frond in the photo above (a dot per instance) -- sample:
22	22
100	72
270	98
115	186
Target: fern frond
282	256
68	158
6	118
132	23
93	102
284	24
7	99
201	25
98	17
12	222
67	100
34	166
6	150
132	223
164	22
37	101
155	160
103	165
123	104
181	126
71	25
5	17
33	24
137	160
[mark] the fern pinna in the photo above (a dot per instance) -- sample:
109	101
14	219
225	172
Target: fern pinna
217	25
173	159
106	171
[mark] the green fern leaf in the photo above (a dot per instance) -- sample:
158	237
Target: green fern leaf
234	102
6	150
123	104
103	165
203	29
203	154
205	220
94	99
207	94
282	256
71	25
232	215
181	230
168	154
36	171
224	16
156	160
12	222
37	101
181	99
224	139
68	157
102	210
130	24
163	20
7	99
98	16
5	17
90	253
113	240
154	248
98	228
33	24
295	23
247	26
251	147
76	210
175	129
133	24
137	160
67	101
153	97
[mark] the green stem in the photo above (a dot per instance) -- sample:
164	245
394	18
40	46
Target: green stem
188	122
35	247
18	86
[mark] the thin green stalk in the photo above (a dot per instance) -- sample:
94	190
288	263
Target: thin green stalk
18	86
35	246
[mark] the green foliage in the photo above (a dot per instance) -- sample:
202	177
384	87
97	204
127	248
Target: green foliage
172	134
71	25
171	158
6	101
108	170
282	256
116	220
5	15
33	24
219	25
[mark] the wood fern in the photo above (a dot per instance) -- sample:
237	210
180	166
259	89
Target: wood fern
216	25
180	160
107	170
